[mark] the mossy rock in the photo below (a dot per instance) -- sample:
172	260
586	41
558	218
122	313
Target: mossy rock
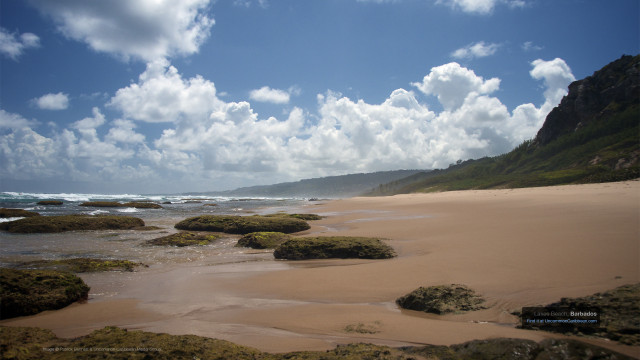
442	299
619	314
263	240
233	224
297	216
81	265
28	292
184	239
340	247
50	202
101	204
61	223
142	205
115	343
9	213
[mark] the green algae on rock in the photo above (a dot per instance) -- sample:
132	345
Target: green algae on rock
61	223
184	239
337	247
619	314
50	202
81	265
133	204
28	292
263	240
441	299
297	216
233	224
115	344
9	213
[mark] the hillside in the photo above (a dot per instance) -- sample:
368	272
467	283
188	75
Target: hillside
592	136
326	187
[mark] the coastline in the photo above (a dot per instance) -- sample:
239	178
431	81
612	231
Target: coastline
516	247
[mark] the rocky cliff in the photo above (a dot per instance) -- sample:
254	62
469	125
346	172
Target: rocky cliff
609	90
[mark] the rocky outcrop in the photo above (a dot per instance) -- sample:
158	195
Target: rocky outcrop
182	239
263	240
336	247
441	299
28	292
232	224
611	89
61	223
10	213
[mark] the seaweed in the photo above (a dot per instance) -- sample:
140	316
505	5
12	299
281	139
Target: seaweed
342	247
441	299
233	224
61	223
9	213
263	240
28	292
81	265
184	239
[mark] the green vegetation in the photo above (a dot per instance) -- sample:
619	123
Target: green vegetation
50	202
9	213
133	204
592	136
619	314
308	217
54	224
263	240
28	292
361	328
114	344
441	299
242	224
184	239
81	265
341	247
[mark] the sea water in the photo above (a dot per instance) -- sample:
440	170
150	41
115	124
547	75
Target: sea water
131	244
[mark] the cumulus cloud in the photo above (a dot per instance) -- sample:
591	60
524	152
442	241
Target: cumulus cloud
145	29
481	7
267	94
59	101
206	139
13	121
477	50
452	83
13	47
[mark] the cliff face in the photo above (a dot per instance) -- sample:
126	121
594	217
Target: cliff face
609	90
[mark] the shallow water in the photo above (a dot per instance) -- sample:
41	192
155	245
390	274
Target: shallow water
130	244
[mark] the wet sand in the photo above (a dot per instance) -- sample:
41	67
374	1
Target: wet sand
516	247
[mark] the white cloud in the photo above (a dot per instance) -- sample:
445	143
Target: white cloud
477	50
481	7
267	94
143	29
13	121
530	46
59	101
452	83
161	95
206	139
14	47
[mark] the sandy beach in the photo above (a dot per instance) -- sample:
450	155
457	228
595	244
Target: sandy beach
515	247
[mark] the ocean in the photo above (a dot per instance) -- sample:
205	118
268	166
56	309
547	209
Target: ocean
130	244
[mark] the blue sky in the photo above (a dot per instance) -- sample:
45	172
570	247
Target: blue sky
166	96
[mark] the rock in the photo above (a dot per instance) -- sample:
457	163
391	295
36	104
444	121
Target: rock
263	240
341	247
441	299
233	224
10	213
133	204
619	314
184	239
81	265
50	202
28	292
54	224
